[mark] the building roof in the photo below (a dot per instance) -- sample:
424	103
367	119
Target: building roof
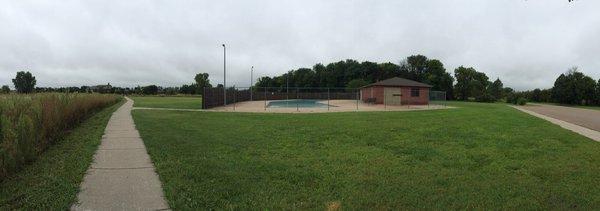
396	81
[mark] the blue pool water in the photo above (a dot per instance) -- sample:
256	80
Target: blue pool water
301	103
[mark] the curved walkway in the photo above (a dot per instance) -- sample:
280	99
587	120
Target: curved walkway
122	176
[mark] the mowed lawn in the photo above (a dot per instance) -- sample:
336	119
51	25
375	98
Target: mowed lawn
477	156
187	102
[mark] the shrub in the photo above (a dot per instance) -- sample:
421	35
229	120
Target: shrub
486	98
29	124
150	90
5	89
521	101
511	98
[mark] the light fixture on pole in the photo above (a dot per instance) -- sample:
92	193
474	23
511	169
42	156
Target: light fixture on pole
224	76
251	81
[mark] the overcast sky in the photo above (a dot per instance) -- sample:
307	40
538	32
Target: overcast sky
127	43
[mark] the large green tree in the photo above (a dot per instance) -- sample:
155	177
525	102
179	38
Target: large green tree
464	78
495	89
24	82
418	67
389	70
470	83
479	88
574	87
429	71
437	77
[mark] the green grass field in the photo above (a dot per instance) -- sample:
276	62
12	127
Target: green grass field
168	102
52	181
477	156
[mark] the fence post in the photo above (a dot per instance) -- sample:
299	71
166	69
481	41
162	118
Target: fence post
265	98
203	93
328	98
234	97
297	90
445	99
357	100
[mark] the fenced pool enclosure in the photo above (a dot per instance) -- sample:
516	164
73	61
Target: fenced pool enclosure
304	99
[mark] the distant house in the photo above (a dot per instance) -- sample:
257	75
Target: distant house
396	91
102	88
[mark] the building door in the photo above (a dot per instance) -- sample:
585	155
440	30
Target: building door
392	96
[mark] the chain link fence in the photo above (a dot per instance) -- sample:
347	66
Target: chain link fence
437	98
317	99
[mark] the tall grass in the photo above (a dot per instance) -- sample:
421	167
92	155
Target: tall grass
29	124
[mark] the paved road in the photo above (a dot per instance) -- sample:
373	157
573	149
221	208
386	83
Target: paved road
583	117
122	176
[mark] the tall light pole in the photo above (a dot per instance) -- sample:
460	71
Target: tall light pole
224	76
251	81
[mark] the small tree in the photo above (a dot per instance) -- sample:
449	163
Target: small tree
24	82
5	89
536	95
201	82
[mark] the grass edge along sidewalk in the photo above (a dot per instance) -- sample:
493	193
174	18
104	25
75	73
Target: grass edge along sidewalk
52	181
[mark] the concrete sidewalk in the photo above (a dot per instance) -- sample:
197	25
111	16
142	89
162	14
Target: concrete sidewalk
122	176
592	134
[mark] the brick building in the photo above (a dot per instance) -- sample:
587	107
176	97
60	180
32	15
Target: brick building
396	91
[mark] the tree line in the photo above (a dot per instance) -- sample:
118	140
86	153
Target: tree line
24	82
572	88
351	74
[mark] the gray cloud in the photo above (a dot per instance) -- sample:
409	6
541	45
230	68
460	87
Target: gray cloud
525	43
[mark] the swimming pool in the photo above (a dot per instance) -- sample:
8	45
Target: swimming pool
300	103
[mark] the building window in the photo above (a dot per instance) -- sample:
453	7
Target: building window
414	92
